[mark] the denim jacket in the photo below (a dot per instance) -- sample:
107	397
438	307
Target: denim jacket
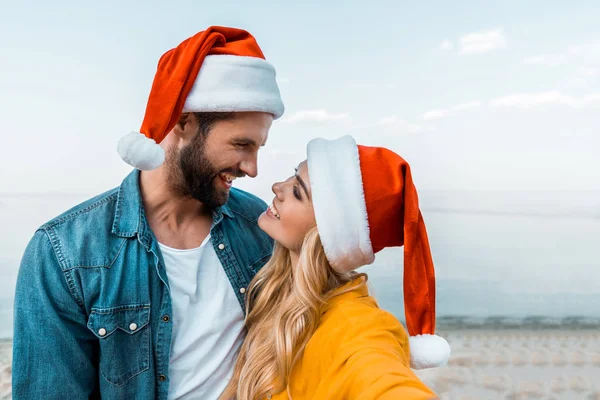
92	303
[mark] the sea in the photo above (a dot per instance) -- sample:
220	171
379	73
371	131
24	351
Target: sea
502	258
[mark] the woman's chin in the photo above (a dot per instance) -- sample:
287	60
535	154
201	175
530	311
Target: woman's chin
272	227
264	224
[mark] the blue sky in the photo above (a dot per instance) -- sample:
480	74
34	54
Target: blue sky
475	95
493	96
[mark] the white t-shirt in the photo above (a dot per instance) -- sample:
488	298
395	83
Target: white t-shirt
208	323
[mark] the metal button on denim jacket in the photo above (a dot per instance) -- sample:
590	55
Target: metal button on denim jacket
92	304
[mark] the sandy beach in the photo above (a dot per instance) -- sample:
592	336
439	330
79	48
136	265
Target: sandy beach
5	368
517	364
492	364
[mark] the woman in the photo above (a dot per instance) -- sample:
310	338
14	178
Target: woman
313	330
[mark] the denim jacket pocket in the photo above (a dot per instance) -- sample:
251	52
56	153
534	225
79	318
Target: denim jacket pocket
124	335
258	264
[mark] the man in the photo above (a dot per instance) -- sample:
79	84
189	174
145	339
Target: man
139	292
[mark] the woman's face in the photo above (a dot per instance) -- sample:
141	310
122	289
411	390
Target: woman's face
291	215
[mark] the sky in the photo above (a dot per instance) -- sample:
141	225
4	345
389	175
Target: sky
495	105
474	95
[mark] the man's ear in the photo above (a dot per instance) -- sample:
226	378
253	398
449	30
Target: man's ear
187	126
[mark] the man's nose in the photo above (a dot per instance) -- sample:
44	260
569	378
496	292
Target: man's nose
250	167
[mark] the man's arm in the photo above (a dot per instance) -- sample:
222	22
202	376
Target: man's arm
53	350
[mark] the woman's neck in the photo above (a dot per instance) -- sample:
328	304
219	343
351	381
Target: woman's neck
294	257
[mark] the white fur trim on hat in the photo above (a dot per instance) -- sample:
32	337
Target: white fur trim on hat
140	151
235	83
428	351
339	202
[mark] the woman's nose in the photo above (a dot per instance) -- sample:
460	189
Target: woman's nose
277	189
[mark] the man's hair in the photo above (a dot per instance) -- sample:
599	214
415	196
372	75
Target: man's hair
206	120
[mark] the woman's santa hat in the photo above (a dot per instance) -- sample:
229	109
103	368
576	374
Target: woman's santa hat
219	69
365	200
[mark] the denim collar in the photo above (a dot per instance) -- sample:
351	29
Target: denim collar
130	218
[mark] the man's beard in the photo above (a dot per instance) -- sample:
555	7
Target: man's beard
191	174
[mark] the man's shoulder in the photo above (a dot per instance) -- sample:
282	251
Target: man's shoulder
93	207
246	204
81	235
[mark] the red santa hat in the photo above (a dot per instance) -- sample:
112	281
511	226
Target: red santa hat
219	69
364	201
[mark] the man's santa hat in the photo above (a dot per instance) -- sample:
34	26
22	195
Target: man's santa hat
219	69
365	200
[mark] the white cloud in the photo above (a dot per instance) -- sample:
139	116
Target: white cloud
365	85
582	62
576	81
391	124
467	106
589	71
398	124
316	116
591	98
436	114
482	42
546	59
581	78
450	111
386	121
446	45
553	97
518	100
587	51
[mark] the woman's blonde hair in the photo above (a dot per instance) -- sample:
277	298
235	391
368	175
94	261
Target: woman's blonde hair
283	310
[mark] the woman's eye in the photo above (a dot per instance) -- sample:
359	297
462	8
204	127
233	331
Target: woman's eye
296	193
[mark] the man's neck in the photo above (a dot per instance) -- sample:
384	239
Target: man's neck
177	221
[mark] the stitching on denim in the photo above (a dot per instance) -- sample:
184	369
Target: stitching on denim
85	267
82	211
115	309
234	267
118	252
118	214
117	218
56	249
259	260
254	222
137	373
163	330
99	321
110	264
